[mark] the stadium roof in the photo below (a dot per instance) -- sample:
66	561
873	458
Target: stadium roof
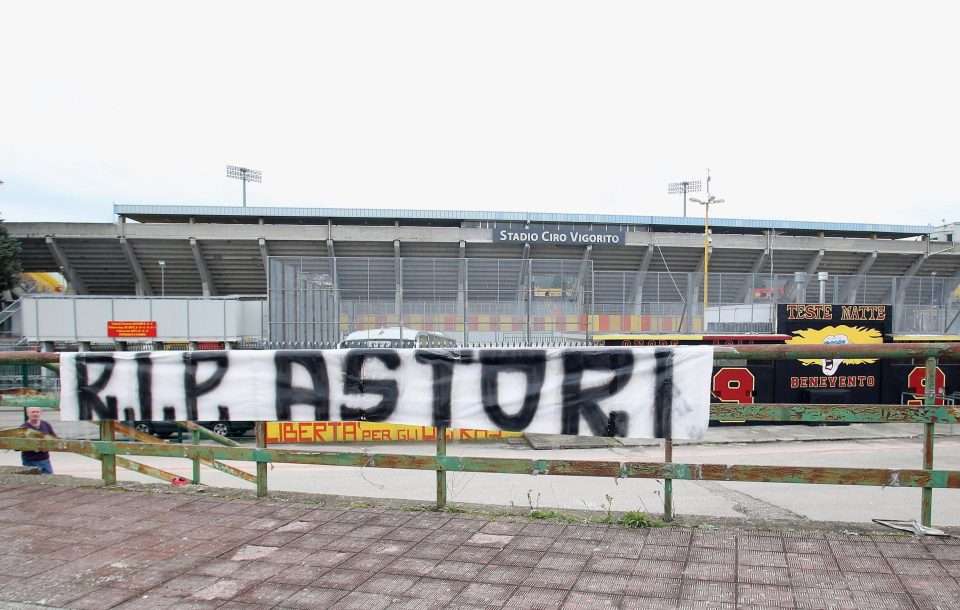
310	215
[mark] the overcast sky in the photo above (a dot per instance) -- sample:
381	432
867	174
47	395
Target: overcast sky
817	111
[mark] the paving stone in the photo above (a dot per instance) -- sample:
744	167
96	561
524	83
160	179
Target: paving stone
425	550
653	587
185	585
459	570
812	561
369	562
765	595
388	584
535	598
223	588
814	598
762	575
256	555
610	565
554	579
505	575
363	601
298	574
590	601
436	589
412	565
562	561
708	590
648	603
531	543
519	557
652	567
712	555
268	593
310	598
484	594
340	578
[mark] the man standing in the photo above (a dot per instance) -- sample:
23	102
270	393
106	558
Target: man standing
37	459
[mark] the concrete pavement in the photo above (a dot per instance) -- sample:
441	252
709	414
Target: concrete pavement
65	543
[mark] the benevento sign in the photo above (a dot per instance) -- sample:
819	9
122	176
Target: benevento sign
566	237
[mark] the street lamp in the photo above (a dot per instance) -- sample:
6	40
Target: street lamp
706	249
687	186
163	286
245	174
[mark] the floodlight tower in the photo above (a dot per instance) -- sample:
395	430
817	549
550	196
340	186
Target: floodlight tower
706	249
686	186
245	174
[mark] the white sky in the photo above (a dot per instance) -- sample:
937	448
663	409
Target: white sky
819	111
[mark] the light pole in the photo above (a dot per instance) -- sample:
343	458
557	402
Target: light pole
706	249
163	286
687	186
245	174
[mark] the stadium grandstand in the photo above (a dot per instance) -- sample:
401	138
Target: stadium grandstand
489	277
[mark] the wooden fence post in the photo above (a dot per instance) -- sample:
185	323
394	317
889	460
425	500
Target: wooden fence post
261	432
108	461
441	471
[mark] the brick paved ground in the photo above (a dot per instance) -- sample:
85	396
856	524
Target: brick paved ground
90	548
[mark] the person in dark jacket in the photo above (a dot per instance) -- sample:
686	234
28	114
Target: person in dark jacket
37	459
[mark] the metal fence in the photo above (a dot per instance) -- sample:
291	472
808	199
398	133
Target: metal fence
110	452
316	301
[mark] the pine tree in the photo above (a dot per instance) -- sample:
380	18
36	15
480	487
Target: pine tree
10	264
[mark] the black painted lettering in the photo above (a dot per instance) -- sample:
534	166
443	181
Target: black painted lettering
441	362
194	390
145	385
88	394
663	394
532	363
354	384
584	402
317	396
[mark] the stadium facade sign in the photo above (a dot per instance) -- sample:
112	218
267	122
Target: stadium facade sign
569	237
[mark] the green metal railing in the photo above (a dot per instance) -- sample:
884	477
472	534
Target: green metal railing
109	451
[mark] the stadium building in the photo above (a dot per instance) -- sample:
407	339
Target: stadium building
306	277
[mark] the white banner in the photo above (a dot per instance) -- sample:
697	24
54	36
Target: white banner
628	392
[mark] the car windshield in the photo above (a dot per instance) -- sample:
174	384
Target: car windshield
391	343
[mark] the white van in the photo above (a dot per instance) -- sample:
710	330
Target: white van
395	337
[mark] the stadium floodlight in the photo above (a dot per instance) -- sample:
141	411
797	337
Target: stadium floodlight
687	186
711	200
245	174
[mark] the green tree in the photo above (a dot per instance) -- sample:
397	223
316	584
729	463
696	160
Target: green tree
10	265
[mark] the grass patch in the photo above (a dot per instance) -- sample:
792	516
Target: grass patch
638	520
550	515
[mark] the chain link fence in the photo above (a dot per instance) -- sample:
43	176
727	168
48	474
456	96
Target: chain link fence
315	302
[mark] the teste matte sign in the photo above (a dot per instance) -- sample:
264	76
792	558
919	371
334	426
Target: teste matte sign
831	380
568	237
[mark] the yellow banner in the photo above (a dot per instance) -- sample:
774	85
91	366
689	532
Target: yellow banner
364	431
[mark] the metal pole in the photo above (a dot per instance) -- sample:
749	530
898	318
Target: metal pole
706	260
441	471
244	189
668	483
196	460
260	429
929	399
108	461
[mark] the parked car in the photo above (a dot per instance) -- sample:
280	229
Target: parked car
166	429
